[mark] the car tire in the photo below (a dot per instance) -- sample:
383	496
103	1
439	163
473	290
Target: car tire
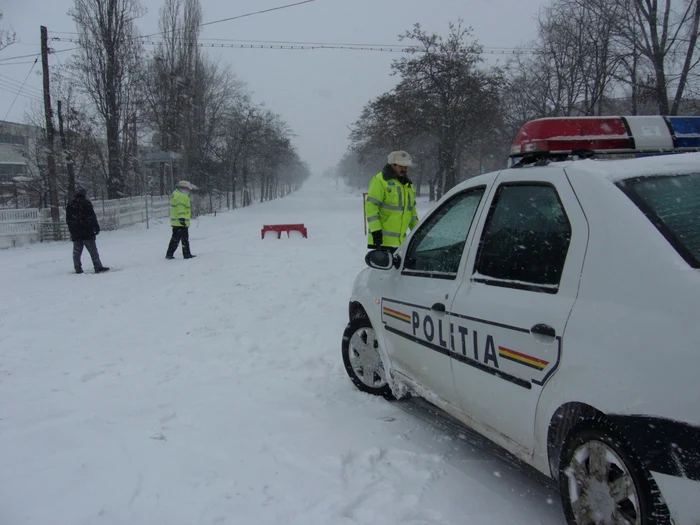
362	359
601	479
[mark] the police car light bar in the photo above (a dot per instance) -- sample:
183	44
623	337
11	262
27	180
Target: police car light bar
612	135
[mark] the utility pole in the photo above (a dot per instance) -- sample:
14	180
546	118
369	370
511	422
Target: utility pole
66	153
50	134
137	164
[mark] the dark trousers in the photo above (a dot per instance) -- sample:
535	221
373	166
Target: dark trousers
91	246
180	233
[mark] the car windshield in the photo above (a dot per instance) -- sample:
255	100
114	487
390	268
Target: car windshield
672	203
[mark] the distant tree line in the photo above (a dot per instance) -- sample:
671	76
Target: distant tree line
119	102
458	118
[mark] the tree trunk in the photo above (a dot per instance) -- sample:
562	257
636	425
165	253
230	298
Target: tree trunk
446	167
114	178
66	153
688	60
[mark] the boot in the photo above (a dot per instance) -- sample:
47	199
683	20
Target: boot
102	269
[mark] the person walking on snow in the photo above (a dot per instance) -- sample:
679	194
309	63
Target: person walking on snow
390	206
180	214
83	227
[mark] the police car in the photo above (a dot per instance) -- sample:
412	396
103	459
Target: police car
554	307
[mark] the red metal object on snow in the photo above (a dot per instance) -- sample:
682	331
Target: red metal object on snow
279	228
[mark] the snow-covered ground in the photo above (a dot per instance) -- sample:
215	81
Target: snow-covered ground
212	390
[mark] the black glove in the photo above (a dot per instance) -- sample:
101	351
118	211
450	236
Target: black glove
377	238
183	223
97	231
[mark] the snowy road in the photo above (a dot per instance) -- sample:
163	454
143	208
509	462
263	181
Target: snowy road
212	390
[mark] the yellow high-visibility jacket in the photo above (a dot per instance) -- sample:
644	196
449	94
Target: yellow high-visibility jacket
390	206
180	209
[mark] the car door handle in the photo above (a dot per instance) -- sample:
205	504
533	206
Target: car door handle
438	307
543	329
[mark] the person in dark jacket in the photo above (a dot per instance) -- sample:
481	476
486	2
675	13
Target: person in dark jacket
83	227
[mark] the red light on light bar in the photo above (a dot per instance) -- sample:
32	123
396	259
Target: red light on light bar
567	134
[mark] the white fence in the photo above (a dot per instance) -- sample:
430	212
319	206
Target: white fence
18	227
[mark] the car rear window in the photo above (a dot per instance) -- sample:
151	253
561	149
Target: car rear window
672	204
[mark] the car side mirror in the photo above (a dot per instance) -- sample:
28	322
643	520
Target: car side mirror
382	259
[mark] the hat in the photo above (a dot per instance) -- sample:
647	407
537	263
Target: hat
400	157
185	184
81	191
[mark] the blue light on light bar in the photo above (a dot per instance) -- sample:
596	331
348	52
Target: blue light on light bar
686	131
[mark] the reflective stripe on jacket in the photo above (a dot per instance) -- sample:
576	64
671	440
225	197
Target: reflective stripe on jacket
390	206
179	208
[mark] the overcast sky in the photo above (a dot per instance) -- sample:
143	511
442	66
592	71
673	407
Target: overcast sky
319	93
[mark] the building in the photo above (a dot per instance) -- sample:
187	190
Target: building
14	168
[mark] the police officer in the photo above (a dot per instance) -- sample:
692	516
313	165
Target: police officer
180	214
390	206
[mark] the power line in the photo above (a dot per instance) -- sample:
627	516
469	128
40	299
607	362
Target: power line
55	51
14	91
200	25
17	63
236	17
402	46
20	56
496	49
319	45
256	13
301	43
20	91
269	46
18	84
298	48
32	56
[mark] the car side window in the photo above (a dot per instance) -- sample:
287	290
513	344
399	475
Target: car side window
525	239
436	248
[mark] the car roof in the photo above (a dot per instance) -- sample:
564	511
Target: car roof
615	170
608	169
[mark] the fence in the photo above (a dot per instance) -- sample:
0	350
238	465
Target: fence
18	227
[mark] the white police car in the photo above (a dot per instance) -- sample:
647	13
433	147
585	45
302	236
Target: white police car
554	307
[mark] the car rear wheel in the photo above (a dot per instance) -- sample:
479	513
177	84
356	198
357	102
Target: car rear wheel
362	359
602	482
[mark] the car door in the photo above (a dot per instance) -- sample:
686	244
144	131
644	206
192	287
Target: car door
513	304
414	312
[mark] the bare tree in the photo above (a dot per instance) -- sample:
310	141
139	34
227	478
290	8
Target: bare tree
399	119
107	68
215	93
7	36
573	64
171	74
463	97
665	33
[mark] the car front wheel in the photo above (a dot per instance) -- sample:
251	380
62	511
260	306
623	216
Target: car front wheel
602	482
362	359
